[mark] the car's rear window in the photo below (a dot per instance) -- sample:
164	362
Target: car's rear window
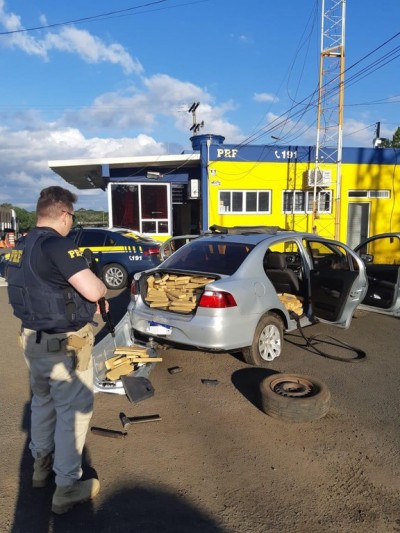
208	256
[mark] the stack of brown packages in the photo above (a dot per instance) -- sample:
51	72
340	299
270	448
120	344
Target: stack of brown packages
291	302
175	292
124	361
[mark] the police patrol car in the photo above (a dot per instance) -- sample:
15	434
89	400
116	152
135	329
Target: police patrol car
119	252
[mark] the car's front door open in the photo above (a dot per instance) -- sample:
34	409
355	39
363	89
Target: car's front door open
381	254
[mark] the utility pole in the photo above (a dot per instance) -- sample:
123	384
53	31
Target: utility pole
378	141
195	126
330	100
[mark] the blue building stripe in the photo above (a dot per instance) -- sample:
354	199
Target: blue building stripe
301	154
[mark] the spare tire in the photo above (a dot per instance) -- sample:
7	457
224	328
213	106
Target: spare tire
294	398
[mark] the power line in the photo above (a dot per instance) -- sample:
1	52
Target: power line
102	16
83	19
357	131
388	100
369	69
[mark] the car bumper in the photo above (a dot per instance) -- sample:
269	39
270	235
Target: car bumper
224	329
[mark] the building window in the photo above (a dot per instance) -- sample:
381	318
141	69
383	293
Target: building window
141	207
294	201
383	193
324	202
247	202
300	202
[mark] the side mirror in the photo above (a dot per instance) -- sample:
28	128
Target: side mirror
367	258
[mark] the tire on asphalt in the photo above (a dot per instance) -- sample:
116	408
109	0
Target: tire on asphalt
294	398
267	341
114	276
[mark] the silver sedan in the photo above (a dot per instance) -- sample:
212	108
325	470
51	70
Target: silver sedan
256	286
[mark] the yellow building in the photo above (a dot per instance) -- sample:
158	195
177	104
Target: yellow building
276	186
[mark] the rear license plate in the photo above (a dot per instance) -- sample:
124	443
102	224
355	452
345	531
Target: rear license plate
158	329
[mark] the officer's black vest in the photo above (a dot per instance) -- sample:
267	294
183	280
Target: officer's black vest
38	305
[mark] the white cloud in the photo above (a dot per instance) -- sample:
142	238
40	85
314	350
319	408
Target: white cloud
91	49
161	98
246	39
303	132
265	97
24	41
25	155
288	131
69	39
358	133
115	110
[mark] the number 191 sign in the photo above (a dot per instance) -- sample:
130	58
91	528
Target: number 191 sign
286	154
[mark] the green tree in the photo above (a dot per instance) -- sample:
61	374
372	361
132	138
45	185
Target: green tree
396	139
394	143
26	219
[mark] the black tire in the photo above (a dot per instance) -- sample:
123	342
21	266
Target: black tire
267	342
114	276
294	398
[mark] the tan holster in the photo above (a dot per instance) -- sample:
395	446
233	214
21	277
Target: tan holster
82	348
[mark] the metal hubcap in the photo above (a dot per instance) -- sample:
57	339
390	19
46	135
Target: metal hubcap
293	387
269	343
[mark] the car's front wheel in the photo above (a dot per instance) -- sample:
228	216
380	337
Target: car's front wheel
114	276
267	341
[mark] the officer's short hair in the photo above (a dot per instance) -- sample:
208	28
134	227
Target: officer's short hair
53	200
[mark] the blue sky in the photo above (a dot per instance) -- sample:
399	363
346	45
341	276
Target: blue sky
121	84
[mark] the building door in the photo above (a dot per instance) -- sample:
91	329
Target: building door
185	211
357	223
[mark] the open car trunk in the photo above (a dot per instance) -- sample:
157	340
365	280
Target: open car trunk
105	351
175	291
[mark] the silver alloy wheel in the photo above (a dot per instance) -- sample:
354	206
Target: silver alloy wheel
267	342
270	343
114	276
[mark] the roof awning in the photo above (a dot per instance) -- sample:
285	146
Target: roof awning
95	173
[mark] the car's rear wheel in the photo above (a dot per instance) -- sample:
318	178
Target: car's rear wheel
114	276
267	341
294	398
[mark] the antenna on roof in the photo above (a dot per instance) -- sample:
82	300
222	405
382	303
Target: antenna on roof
195	126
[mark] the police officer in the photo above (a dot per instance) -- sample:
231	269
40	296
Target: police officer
53	293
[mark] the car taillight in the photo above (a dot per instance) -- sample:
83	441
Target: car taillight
217	300
151	251
134	288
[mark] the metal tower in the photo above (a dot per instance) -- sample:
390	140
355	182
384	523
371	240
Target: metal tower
330	100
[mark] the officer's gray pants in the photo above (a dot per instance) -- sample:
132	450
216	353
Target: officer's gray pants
62	403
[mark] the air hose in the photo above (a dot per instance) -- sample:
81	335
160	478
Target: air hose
327	339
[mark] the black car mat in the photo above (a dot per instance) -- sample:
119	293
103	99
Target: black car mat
137	388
